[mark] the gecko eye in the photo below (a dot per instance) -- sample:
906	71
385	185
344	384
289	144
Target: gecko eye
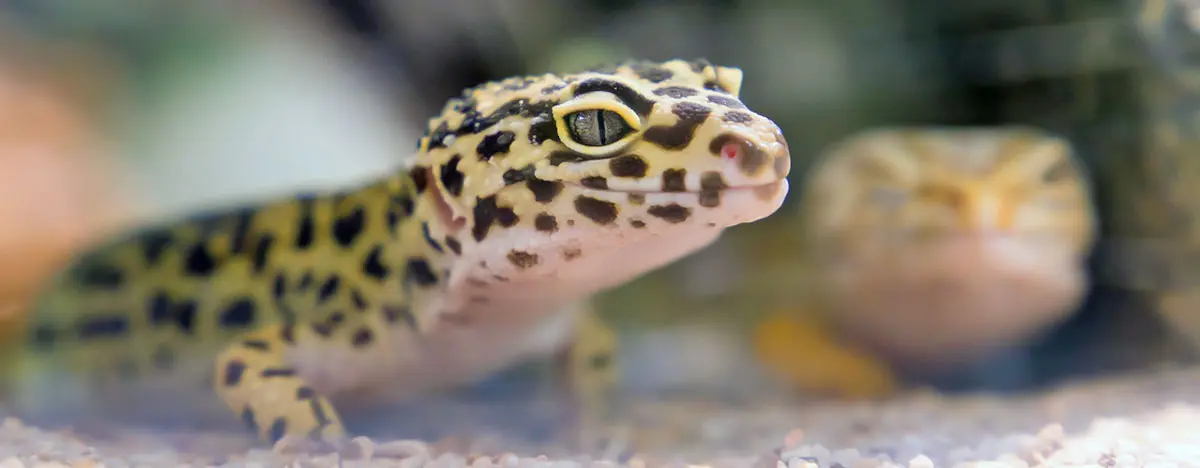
597	127
596	124
1059	171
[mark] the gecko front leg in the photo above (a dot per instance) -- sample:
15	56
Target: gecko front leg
254	379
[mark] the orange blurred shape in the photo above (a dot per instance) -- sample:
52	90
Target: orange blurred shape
804	354
55	194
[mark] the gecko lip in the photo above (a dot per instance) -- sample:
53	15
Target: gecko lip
694	192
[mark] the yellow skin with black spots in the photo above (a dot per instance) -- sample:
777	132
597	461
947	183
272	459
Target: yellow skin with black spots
931	247
525	196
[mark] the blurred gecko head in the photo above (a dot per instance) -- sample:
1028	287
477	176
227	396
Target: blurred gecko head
598	176
951	240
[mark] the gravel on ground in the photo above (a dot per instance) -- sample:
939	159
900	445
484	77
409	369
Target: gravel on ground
1149	419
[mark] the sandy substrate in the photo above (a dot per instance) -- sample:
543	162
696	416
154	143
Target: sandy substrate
1145	420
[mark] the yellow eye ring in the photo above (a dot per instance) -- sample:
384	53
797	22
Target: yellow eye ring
596	124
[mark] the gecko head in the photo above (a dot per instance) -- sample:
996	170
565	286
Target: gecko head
941	244
600	175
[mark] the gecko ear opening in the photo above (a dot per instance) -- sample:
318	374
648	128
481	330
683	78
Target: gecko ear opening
451	219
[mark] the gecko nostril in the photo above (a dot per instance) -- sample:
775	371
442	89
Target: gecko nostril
749	157
731	150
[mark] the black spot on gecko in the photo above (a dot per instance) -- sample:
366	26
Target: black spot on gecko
160	309
306	281
596	182
103	327
544	191
640	104
726	101
451	177
737	117
199	261
629	165
248	419
239	314
305	232
277	430
485	216
599	211
362	338
542	130
506	216
154	245
373	265
495	144
336	318
712	180
545	222
474	123
429	237
673	213
325	330
454	245
420	177
437	137
673	180
675	92
513	176
234	370
522	259
359	301
279	286
262	252
418	271
100	275
558	158
241	230
652	73
329	288
679	135
277	372
185	315
347	228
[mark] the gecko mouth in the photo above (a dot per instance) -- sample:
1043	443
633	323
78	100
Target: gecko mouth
635	191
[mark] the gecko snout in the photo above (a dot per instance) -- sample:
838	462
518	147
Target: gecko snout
755	160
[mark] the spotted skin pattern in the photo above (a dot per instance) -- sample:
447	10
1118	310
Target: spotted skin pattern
525	196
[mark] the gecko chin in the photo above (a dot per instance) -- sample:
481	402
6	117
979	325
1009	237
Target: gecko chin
940	304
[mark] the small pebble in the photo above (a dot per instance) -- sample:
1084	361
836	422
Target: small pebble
920	461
